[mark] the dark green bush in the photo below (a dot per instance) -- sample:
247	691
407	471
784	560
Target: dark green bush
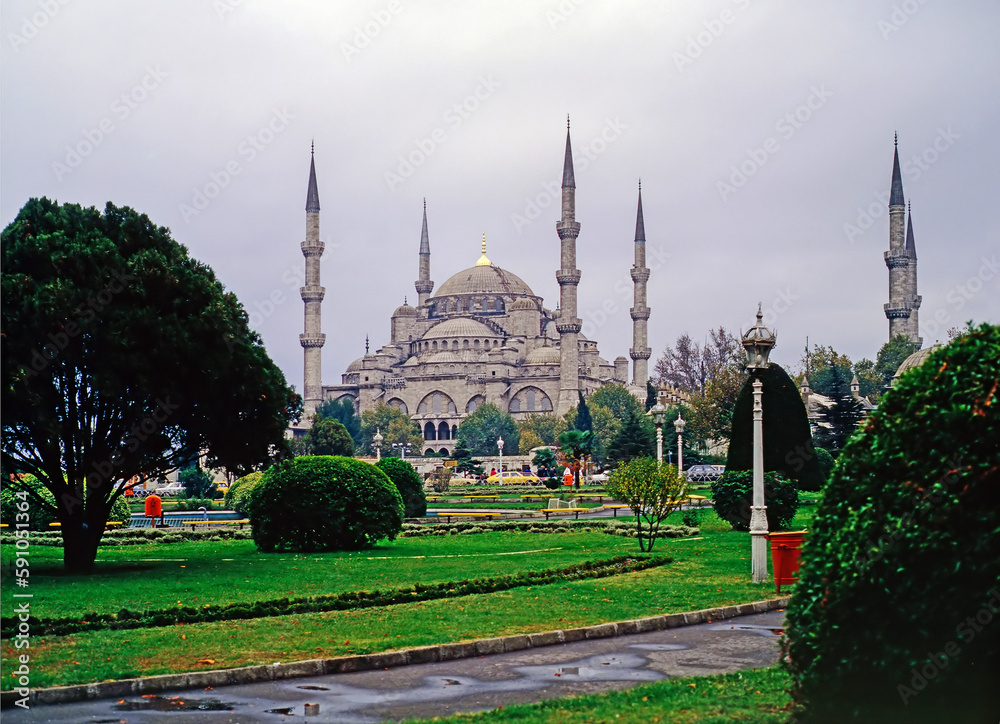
895	615
408	483
322	503
788	445
825	463
732	495
236	496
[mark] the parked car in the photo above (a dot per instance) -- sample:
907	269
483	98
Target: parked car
513	477
697	473
166	491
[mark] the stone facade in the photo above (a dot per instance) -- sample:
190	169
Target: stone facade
485	336
901	259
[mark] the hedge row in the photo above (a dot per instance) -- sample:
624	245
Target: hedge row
347	601
139	536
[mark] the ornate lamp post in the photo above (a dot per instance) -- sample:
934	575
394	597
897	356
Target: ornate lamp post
377	439
659	414
679	428
500	448
758	342
403	449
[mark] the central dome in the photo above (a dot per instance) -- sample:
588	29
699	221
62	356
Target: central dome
484	280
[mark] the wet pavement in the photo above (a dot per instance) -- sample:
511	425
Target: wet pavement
443	688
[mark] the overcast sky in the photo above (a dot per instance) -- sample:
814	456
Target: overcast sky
762	132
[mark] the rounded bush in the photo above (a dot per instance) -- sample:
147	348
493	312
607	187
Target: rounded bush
408	483
323	503
236	496
896	616
732	495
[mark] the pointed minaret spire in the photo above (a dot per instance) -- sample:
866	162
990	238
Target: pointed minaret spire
569	178
640	352
568	324
424	285
312	338
366	344
911	249
896	190
312	193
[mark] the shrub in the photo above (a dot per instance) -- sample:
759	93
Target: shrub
197	483
321	503
732	495
788	445
236	496
904	555
825	460
408	483
652	490
39	516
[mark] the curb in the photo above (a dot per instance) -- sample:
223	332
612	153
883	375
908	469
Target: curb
367	662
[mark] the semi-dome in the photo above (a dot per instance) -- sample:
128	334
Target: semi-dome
524	303
443	357
484	280
356	365
459	327
543	356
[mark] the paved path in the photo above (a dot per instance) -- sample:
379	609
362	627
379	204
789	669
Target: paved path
444	688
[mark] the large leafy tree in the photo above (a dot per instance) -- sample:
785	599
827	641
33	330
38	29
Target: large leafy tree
326	437
393	424
689	366
544	425
342	411
636	438
479	431
710	417
823	366
122	358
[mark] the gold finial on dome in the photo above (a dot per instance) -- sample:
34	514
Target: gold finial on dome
483	261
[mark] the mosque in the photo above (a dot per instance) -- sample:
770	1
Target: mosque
484	336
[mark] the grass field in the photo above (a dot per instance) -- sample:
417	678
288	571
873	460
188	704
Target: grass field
710	570
757	695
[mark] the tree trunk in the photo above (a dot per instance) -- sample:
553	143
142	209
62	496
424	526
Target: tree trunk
80	545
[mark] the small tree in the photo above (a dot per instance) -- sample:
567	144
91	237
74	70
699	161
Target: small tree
653	491
342	411
197	483
327	436
545	460
575	448
466	464
480	430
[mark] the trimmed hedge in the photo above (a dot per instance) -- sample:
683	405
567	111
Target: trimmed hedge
895	615
323	503
408	483
733	496
347	601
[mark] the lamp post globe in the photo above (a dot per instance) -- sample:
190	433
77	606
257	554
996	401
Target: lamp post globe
758	342
377	439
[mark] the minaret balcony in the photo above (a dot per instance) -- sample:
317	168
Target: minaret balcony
639	313
640	275
312	248
568	229
568	276
312	293
896	261
898	311
312	340
645	353
569	326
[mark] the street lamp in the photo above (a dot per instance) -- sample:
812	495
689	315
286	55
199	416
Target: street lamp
500	448
758	342
679	428
403	449
377	439
659	414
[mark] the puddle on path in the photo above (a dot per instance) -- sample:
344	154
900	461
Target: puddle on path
172	703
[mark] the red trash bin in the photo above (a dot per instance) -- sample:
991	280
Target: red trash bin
785	551
154	509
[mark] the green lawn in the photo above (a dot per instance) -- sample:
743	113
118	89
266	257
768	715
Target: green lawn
194	574
757	695
708	571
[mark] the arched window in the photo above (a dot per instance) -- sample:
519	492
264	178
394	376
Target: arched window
429	451
443	451
475	344
434	346
429	431
499	304
398	404
465	344
515	405
530	399
436	403
454	432
454	345
444	432
473	403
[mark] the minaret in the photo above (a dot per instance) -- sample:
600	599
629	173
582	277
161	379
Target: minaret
568	276
424	285
915	299
640	352
900	309
312	339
